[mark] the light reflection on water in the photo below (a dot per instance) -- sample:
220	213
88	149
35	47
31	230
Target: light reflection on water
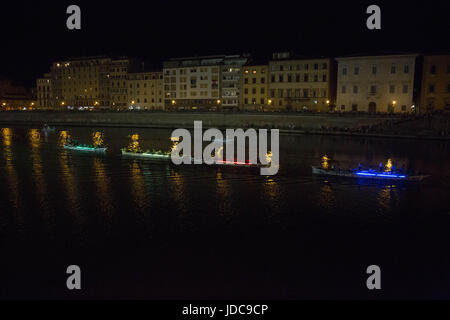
84	192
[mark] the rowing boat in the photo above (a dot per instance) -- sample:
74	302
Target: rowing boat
368	174
84	148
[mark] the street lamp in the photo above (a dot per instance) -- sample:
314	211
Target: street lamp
218	101
173	102
269	101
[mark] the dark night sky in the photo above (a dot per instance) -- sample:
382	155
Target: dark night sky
34	33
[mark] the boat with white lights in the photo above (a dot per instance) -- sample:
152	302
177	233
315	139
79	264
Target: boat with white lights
368	174
146	154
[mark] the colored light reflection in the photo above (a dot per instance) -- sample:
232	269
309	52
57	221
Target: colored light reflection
391	175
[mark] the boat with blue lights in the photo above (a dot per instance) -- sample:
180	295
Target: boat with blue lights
368	174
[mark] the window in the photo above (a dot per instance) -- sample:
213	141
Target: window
324	66
405	89
356	70
288	93
280	78
316	66
305	78
431	88
246	90
403	108
280	93
374	69
324	78
342	107
263	80
406	68
391	89
433	69
343	89
254	90
354	107
246	100
272	93
355	89
297	77
393	69
262	90
289	77
262	101
344	71
373	89
316	78
272	78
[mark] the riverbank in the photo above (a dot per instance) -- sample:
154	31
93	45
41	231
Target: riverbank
361	125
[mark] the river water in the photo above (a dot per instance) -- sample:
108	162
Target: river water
153	230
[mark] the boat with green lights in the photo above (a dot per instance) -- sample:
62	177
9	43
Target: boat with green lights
84	147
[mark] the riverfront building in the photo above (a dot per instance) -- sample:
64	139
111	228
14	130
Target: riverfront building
255	87
118	86
376	84
210	82
145	90
82	82
435	83
44	92
14	97
301	84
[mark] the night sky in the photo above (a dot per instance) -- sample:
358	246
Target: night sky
34	33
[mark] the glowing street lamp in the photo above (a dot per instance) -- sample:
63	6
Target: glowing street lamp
394	103
173	102
269	101
328	101
63	103
218	101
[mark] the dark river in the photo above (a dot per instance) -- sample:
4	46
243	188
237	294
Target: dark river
152	230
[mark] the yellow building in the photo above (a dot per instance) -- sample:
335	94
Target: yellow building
81	82
145	91
435	83
44	92
301	84
118	92
254	88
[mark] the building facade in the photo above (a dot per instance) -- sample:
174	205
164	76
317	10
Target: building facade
44	97
118	86
13	97
231	81
435	93
192	83
82	82
376	84
145	91
255	88
301	84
